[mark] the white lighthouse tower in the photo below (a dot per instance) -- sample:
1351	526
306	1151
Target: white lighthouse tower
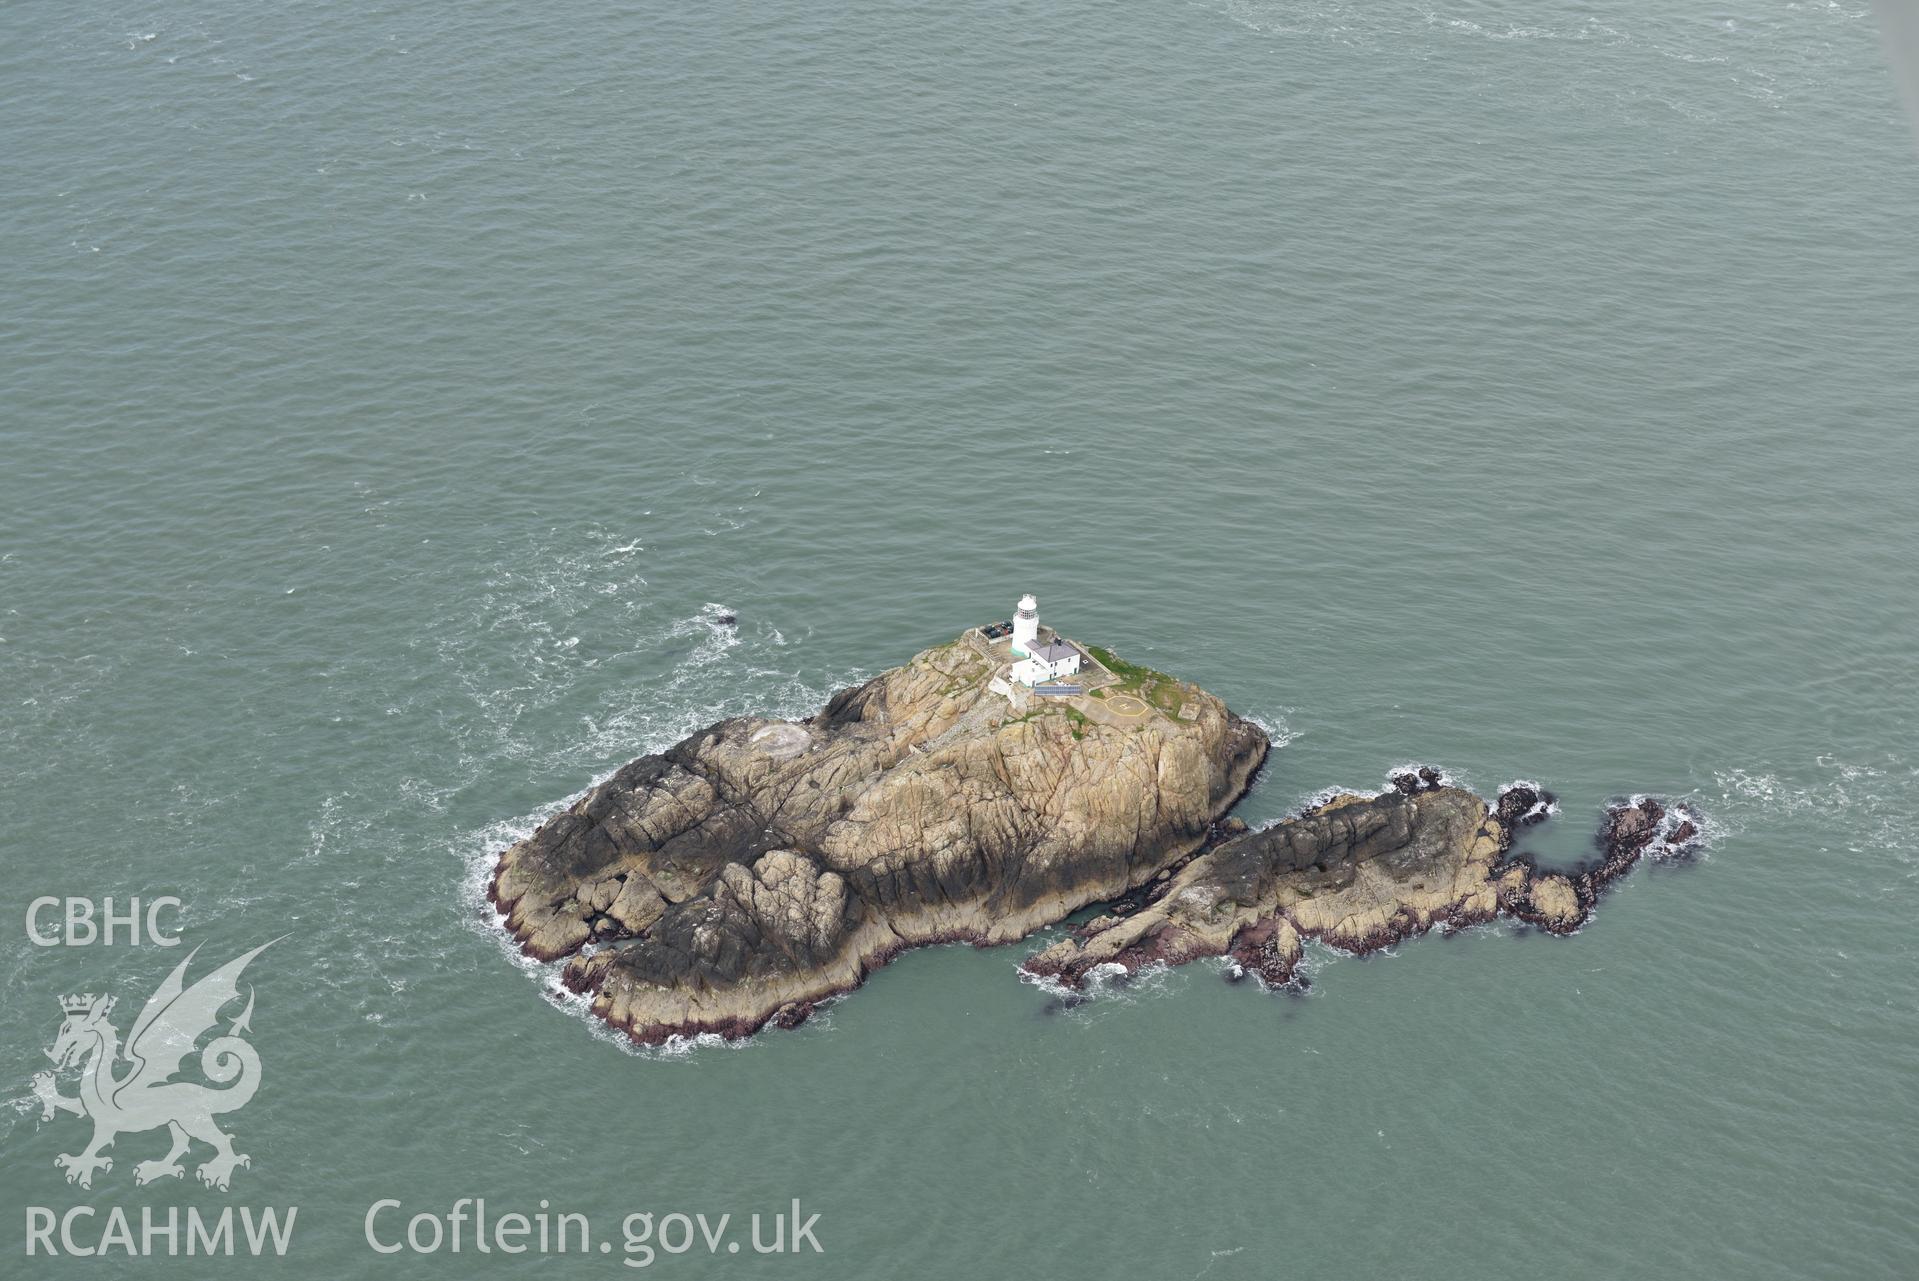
1026	627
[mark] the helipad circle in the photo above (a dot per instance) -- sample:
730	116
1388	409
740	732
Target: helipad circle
1125	705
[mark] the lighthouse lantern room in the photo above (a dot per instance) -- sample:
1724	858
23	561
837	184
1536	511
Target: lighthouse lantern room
1025	626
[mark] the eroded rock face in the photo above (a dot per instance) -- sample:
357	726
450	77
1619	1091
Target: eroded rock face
1360	873
761	865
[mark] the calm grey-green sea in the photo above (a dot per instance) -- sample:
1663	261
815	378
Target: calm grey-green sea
394	397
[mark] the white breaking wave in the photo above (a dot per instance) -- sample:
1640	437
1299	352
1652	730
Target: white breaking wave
1541	809
712	676
1277	731
479	852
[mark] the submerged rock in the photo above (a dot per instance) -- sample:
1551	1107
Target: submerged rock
762	865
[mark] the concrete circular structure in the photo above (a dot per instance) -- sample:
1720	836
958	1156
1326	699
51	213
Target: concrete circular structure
1125	705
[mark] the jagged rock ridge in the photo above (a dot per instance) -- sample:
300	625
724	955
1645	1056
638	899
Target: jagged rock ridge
1360	873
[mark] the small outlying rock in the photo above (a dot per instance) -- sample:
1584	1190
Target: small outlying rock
1523	804
1420	778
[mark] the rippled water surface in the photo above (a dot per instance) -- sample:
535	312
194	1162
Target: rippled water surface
393	397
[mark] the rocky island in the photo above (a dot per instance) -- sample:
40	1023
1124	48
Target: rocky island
991	786
1360	873
761	865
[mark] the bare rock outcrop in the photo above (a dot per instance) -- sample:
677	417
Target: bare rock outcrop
1361	873
761	865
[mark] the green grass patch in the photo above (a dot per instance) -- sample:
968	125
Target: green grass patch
1130	675
1157	689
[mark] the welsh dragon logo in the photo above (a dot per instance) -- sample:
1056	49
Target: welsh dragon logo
145	1096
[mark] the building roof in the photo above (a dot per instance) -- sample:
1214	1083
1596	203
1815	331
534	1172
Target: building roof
1051	651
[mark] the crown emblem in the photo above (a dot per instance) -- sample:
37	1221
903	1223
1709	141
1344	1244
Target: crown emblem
85	1002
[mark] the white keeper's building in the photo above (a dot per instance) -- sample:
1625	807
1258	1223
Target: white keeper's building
1038	661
